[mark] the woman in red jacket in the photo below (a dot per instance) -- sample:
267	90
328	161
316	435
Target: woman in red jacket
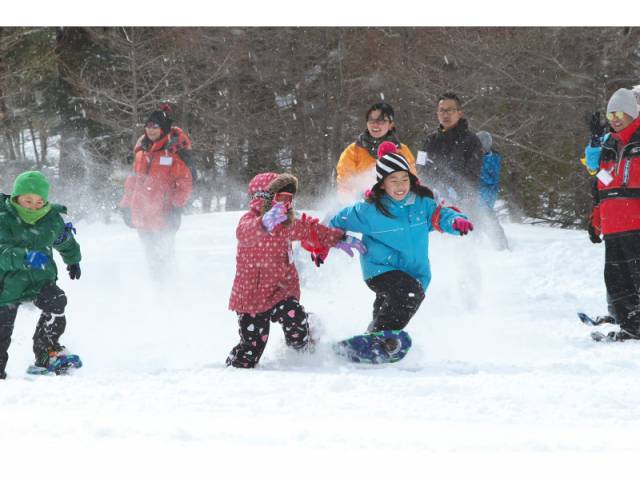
160	186
266	287
616	214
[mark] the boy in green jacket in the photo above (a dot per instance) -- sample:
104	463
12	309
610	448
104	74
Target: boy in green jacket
30	227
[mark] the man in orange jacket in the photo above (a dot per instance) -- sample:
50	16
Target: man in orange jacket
160	186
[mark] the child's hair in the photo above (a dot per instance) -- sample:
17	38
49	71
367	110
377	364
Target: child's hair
375	195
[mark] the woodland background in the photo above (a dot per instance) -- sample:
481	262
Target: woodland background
73	102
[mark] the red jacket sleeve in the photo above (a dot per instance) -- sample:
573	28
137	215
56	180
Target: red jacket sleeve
309	229
250	228
595	220
183	183
139	166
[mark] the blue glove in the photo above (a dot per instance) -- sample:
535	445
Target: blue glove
35	259
592	157
274	216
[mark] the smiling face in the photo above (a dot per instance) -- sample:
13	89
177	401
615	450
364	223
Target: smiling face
30	201
378	125
397	185
153	131
619	120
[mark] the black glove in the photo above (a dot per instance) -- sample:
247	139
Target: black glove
597	128
593	235
74	271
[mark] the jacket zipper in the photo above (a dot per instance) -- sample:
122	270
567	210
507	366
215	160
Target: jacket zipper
627	166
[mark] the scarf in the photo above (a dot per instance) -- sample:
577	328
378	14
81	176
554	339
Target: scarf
368	142
28	215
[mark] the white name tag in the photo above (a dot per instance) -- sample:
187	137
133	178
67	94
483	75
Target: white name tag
422	158
166	160
605	177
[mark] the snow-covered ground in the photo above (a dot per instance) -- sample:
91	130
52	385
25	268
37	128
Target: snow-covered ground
502	376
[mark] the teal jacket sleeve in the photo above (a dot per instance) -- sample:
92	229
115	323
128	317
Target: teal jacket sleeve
352	218
447	216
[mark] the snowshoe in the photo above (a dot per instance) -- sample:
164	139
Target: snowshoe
387	346
56	361
613	336
599	320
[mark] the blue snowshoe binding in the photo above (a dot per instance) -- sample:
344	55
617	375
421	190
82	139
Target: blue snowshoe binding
387	346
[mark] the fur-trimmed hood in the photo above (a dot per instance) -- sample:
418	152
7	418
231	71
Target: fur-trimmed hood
264	186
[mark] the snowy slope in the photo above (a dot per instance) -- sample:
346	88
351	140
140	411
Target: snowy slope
501	367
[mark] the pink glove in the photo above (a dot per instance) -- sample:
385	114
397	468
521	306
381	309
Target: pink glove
463	226
349	243
274	216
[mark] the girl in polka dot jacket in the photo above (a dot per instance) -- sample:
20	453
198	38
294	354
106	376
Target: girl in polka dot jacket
266	287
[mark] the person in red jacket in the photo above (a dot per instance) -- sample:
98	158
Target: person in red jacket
266	287
616	213
160	186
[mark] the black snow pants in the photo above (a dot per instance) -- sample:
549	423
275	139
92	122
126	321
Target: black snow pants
622	279
51	301
254	332
398	297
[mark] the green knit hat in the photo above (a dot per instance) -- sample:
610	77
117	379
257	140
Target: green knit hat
31	182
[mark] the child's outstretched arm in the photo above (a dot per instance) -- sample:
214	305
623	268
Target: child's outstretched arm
351	218
445	219
316	238
308	228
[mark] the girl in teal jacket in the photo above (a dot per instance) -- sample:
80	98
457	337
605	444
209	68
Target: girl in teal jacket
30	228
395	220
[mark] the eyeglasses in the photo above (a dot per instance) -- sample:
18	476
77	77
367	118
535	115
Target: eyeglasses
448	111
152	125
615	114
377	120
283	197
